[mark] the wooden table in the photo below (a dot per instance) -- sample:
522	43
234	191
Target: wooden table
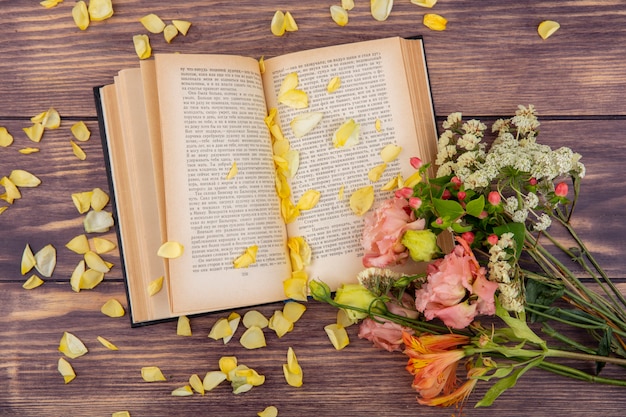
489	60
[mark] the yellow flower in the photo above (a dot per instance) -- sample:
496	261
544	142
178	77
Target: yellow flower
356	295
422	244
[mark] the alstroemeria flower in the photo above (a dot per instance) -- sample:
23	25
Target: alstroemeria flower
383	232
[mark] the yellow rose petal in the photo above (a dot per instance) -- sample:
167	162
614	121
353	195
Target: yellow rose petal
182	26
233	323
308	200
66	370
28	151
227	364
339	15
247	258
34	132
343	319
183	327
281	147
142	46
28	260
381	9
278	24
212	379
104	342
292	370
340	193
98	221
292	311
424	3
155	286
95	262
184	391
412	180
102	245
254	318
292	158
171	250
305	122
82	201
253	338
434	21
120	414
290	23
296	99
100	9
390	152
377	125
80	14
196	383
169	33
290	82
99	199
80	131
220	329
6	139
78	151
333	85
375	173
361	200
288	210
21	178
51	119
152	23
46	260
11	192
89	279
71	346
547	28
33	282
112	308
152	374
269	411
77	275
337	335
262	65
48	4
280	324
79	244
394	183
296	286
299	252
347	135
232	172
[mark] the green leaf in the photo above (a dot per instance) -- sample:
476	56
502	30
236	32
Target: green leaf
519	234
505	383
520	327
458	228
604	348
542	295
476	206
448	208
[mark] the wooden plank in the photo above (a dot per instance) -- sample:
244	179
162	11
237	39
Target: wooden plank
357	381
488	60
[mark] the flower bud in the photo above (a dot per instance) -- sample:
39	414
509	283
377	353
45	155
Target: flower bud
468	237
446	195
416	162
404	192
461	195
319	290
494	198
561	189
456	181
415	202
356	295
422	244
493	239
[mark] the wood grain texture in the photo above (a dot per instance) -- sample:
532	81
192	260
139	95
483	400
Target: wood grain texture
489	60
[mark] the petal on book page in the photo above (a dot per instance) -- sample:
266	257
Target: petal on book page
375	173
390	152
361	200
347	135
171	250
305	122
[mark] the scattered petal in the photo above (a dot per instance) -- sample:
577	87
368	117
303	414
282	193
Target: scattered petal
77	275
112	308
142	46
333	84
288	210
343	319
71	346
196	383
81	15
99	199
270	411
48	4
305	122
347	135
100	9
28	260
381	9
82	201
290	82
296	286
6	139
308	200
390	152
152	23
21	178
278	25
280	324
227	364
221	328
152	374
232	172
66	370
296	99
102	245
375	173
253	338
78	244
78	151
34	132
169	33
104	342
185	391
46	260
361	200
347	4
337	335
90	279
299	252
394	183
339	15
28	151
247	258
95	262
120	414
233	322
33	282
262	65
412	180
547	28
80	131
292	370
98	221
424	3
11	192
292	157
292	311
254	318
377	125
290	23
340	193
182	26
212	379
171	250
434	21
183	327
155	286
51	119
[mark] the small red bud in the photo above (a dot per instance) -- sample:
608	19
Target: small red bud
446	195
493	239
561	189
468	237
461	195
439	220
456	181
494	198
404	192
415	202
533	181
416	162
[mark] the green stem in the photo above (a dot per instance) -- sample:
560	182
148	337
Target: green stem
577	374
550	331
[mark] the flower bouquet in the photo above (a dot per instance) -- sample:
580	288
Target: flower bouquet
497	204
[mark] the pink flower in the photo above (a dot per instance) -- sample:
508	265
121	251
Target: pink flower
383	231
404	192
561	189
457	289
416	162
383	334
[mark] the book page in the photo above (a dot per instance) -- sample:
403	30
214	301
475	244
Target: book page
373	87
212	115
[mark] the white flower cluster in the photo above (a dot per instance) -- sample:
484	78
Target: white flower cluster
521	209
500	268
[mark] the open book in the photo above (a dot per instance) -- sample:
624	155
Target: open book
173	128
